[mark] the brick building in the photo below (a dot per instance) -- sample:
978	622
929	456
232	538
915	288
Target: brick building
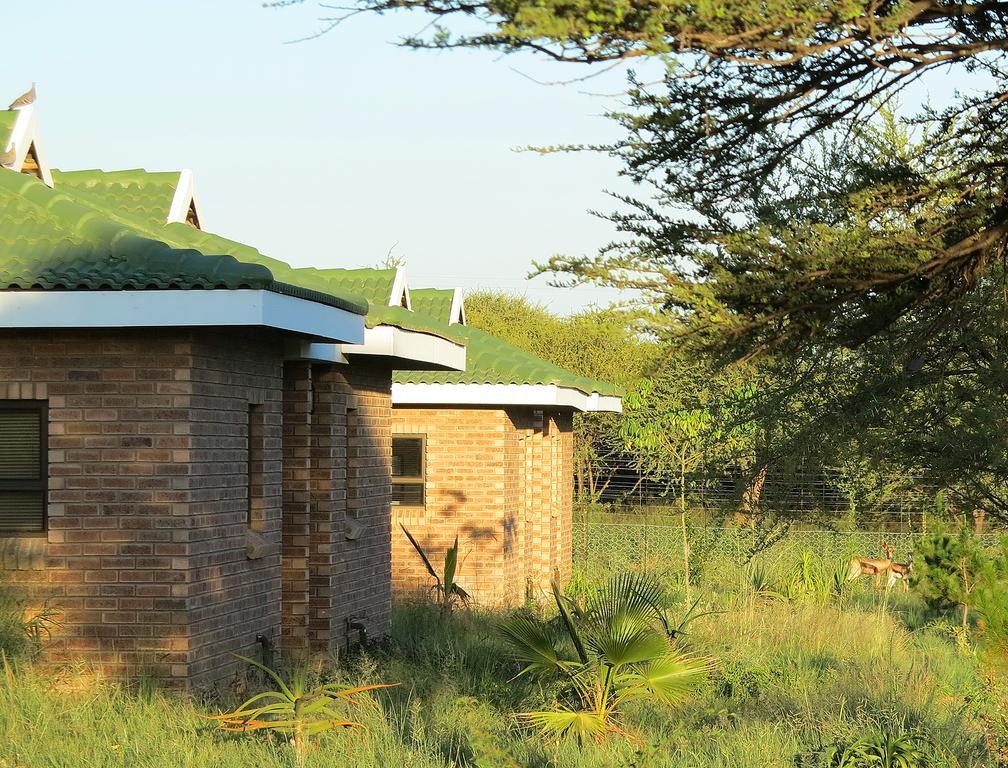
202	450
195	439
487	454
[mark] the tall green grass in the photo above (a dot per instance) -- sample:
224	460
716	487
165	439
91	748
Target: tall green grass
791	678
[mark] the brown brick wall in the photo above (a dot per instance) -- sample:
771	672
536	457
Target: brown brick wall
502	480
337	444
148	554
115	555
232	598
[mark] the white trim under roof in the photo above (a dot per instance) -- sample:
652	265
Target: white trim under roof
185	196
400	291
411	346
178	309
23	137
316	352
539	395
457	312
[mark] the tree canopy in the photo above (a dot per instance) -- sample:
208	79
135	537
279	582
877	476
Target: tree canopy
798	201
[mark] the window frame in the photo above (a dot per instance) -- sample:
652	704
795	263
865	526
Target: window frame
420	479
41	485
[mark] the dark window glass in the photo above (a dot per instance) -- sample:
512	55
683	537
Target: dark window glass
23	467
408	471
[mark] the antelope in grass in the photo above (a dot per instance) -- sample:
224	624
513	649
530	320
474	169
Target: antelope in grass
865	566
901	572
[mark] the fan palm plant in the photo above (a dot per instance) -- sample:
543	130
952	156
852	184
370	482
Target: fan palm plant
614	647
448	591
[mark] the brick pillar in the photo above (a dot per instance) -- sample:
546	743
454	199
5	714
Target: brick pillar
295	530
365	583
564	446
328	507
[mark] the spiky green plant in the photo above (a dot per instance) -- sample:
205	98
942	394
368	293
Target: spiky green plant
612	648
448	591
297	709
881	750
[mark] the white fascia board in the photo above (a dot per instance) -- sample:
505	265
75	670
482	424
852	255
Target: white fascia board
457	312
313	351
400	291
535	395
185	195
413	346
23	136
178	309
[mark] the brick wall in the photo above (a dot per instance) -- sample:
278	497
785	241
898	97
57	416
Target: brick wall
149	554
502	480
337	497
232	597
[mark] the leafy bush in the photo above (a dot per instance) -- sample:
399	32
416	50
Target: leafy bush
22	631
953	571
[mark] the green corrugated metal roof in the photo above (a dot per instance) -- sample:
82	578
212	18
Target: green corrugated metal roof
49	239
490	360
143	194
433	302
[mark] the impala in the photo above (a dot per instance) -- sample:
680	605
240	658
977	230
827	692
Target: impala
865	566
901	572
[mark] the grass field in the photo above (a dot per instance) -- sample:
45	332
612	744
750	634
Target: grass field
790	677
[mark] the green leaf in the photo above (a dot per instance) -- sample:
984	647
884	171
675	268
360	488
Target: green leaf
423	555
627	640
450	563
671	679
569	622
532	645
565	724
276	678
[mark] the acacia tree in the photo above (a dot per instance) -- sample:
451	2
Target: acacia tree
776	224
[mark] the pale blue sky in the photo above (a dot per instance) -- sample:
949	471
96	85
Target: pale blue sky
333	151
328	152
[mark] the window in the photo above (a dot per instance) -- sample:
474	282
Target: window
254	458
23	466
408	470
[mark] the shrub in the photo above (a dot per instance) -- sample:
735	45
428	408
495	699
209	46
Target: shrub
614	648
953	570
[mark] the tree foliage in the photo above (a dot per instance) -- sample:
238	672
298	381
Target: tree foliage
790	209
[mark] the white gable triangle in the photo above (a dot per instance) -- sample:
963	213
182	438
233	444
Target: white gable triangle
29	156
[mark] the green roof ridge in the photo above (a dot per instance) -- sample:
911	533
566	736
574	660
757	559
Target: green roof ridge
63	240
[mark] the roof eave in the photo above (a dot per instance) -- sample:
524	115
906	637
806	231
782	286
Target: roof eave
531	395
179	308
408	350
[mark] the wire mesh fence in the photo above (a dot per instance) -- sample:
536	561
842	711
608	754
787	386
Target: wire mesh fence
611	547
819	492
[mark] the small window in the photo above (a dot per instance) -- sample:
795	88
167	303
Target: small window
23	466
408	470
254	465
